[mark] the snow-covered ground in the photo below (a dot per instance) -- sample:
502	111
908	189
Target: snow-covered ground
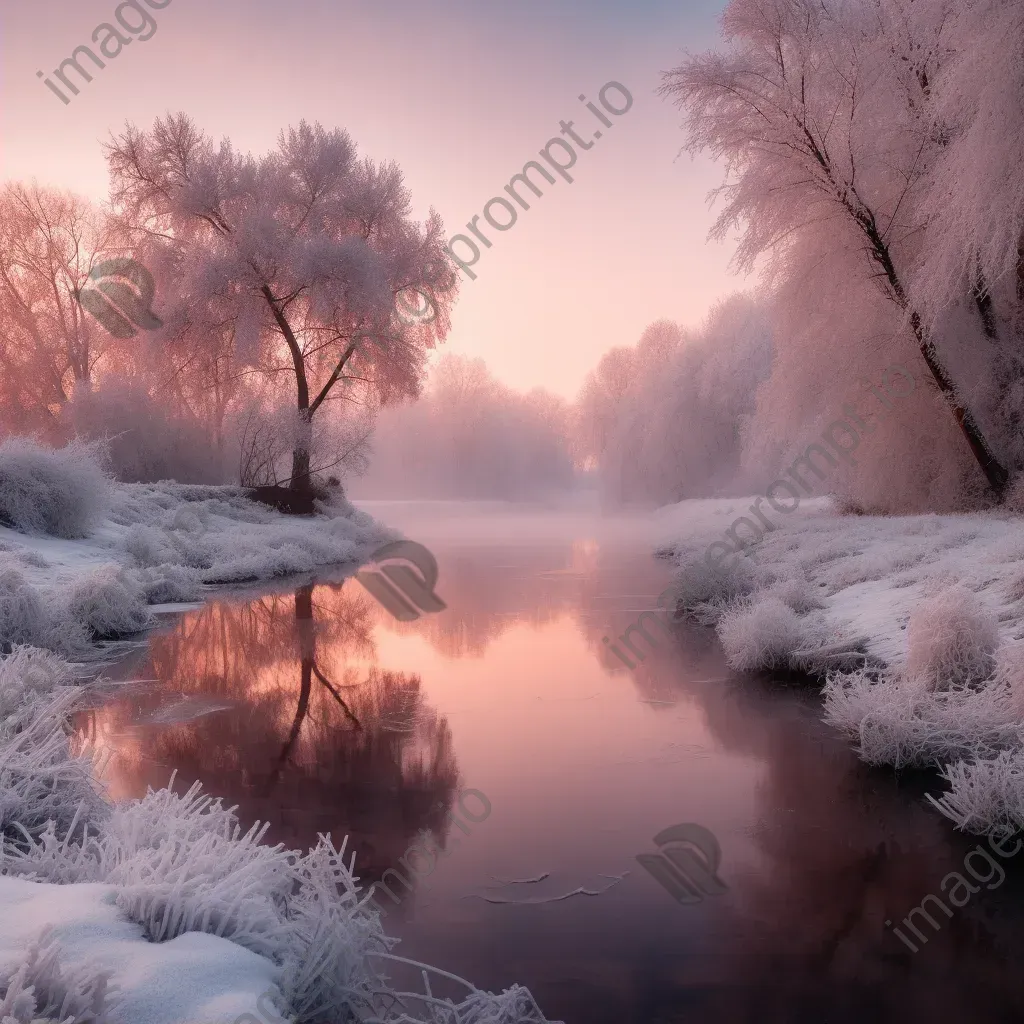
915	624
159	910
160	544
100	962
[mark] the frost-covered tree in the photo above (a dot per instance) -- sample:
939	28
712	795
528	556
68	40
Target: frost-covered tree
823	113
975	201
303	252
50	242
680	426
974	206
470	436
598	404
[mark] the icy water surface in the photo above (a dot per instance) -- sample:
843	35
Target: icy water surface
312	708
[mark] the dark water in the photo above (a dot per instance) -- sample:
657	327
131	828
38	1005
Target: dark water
313	709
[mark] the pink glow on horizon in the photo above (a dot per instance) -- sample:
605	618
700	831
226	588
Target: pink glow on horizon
461	106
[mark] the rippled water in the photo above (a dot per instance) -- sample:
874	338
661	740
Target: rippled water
313	709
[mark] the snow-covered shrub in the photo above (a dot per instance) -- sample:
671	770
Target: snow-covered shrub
105	603
798	594
148	545
764	633
27	675
985	795
62	492
952	639
37	615
698	588
109	601
187	520
170	583
42	784
40	989
898	720
24	619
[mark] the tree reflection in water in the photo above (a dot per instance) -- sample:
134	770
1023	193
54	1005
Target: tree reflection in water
308	734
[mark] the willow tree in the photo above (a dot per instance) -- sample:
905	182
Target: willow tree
822	111
974	209
305	251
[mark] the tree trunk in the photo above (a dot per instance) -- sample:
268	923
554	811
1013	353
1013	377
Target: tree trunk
300	480
994	471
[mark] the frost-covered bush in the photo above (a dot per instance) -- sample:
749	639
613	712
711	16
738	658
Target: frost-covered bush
42	784
63	492
26	617
103	604
40	989
986	795
899	721
952	639
27	675
148	545
109	601
798	594
764	633
701	590
166	584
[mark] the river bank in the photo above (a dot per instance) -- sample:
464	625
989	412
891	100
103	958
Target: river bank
914	625
162	908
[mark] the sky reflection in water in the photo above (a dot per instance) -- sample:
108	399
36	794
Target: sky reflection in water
313	709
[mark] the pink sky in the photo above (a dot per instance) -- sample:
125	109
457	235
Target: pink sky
461	96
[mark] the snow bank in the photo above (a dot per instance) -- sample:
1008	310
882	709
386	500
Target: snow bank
914	624
160	911
159	544
68	953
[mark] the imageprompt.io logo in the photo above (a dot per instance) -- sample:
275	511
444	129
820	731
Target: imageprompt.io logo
687	866
123	303
406	594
